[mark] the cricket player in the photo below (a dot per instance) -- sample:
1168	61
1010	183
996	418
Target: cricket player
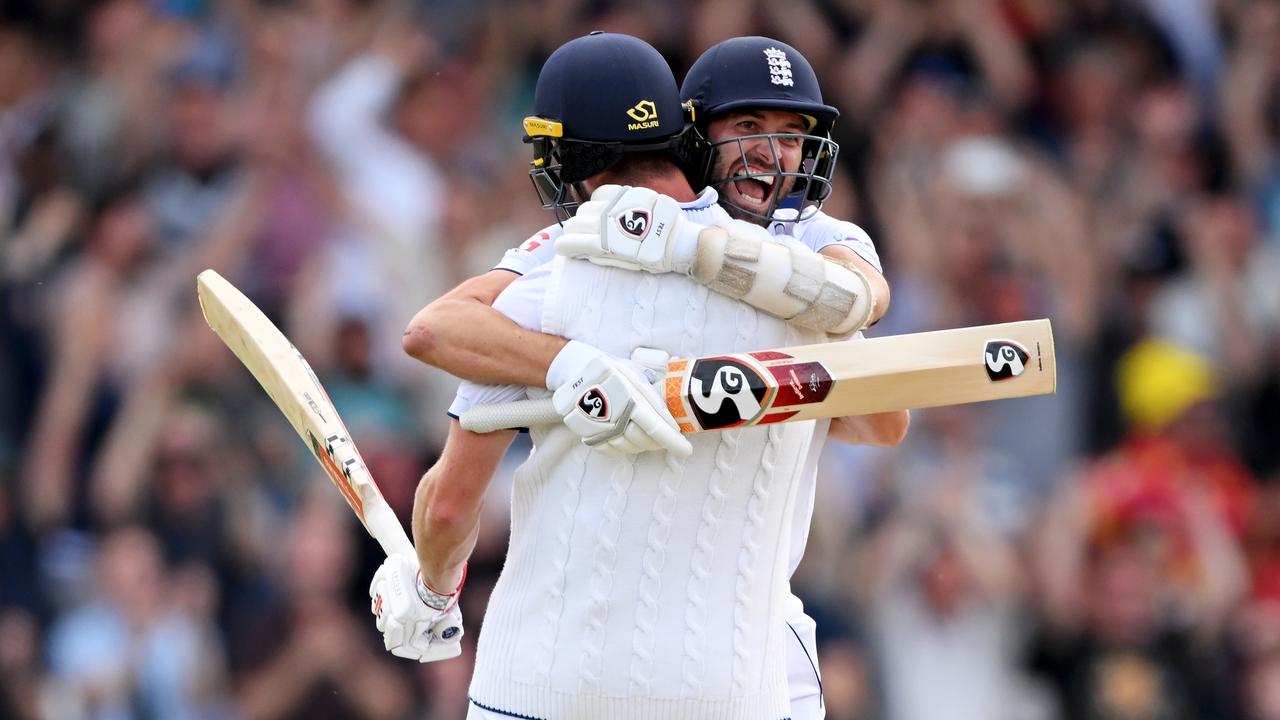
694	210
770	157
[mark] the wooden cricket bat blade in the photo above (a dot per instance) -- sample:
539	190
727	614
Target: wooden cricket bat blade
855	377
288	379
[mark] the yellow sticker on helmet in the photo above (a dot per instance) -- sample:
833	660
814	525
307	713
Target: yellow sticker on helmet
541	127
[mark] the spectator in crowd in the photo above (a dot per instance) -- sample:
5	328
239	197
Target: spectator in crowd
20	673
376	122
1138	562
140	646
304	654
88	366
197	173
942	588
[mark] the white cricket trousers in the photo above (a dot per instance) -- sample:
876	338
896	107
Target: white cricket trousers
803	679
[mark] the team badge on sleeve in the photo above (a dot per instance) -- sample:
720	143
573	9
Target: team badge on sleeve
535	242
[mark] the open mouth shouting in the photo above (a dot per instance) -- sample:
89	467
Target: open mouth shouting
752	189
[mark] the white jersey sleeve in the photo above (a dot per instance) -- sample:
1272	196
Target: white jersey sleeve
821	230
538	250
521	301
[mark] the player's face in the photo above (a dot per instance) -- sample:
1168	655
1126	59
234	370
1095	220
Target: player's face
759	156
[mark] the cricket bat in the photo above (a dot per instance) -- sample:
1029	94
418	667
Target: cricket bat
288	379
856	377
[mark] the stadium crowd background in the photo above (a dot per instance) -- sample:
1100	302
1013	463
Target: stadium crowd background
167	549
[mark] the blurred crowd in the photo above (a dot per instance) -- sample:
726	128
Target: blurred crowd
168	549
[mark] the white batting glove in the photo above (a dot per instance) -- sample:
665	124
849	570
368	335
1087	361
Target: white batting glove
611	403
632	228
410	627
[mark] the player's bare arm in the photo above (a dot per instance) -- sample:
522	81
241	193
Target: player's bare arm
879	287
885	429
415	596
579	374
448	501
461	334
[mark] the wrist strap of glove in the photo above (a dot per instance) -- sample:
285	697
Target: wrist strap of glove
568	362
437	600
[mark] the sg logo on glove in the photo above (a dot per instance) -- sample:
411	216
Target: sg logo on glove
634	222
594	405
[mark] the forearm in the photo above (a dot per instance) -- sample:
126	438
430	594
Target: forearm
448	501
895	549
58	428
120	468
868	68
834	291
444	530
1058	556
886	429
1001	59
1224	573
461	334
477	343
990	561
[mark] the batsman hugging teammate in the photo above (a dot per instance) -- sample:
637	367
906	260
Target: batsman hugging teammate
644	583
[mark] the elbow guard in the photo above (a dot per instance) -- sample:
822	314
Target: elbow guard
796	285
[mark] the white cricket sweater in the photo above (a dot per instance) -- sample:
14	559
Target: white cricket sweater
647	587
816	232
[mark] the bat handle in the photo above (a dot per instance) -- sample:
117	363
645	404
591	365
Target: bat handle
504	416
381	522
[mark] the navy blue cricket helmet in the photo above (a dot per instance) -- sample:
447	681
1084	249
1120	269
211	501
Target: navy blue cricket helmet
746	73
599	96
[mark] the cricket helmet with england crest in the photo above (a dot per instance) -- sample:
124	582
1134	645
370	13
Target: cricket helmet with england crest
760	73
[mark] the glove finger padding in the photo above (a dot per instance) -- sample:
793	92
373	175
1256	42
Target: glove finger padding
661	430
630	227
589	215
626	445
628	221
652	418
599	405
610	400
410	629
